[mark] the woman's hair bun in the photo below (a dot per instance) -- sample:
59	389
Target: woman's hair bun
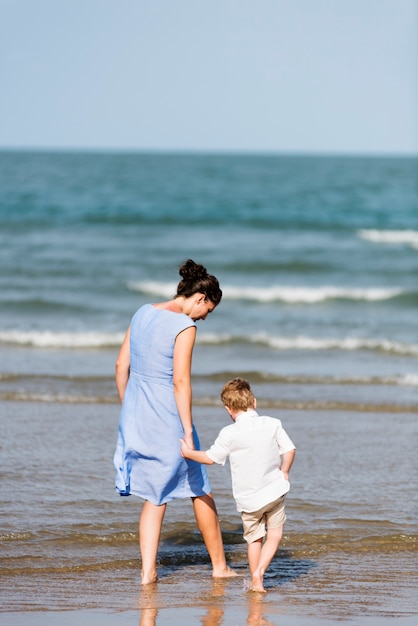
191	270
195	279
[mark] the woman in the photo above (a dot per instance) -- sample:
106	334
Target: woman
153	372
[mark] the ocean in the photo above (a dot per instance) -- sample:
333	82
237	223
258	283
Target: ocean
317	257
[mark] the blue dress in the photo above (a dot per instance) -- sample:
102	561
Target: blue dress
147	458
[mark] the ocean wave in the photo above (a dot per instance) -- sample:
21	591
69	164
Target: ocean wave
404	380
213	401
95	340
55	398
89	388
408	380
409	237
312	343
279	293
50	339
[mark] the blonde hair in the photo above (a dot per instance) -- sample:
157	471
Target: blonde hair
237	395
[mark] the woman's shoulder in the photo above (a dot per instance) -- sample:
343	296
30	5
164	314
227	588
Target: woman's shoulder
168	318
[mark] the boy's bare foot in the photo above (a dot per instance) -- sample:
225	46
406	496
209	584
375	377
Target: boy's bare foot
257	585
224	572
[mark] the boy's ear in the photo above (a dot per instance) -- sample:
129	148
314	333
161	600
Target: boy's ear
255	403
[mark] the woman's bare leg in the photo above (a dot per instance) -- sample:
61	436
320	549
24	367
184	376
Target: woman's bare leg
208	524
150	524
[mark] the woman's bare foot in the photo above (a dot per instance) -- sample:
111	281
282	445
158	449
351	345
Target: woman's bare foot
149	579
224	572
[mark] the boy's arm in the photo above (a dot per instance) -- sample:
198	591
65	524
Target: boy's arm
194	455
287	461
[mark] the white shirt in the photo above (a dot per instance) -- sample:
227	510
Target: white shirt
253	444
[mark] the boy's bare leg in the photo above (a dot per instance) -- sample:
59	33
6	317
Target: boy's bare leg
260	556
150	524
208	524
254	554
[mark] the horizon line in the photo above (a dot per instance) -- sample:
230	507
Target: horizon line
207	152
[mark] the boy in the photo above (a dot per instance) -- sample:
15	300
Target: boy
261	455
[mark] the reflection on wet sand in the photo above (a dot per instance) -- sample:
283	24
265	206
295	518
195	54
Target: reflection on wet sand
213	606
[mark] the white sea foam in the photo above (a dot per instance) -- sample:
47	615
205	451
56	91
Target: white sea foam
409	237
302	342
410	380
347	343
308	295
50	339
86	340
279	293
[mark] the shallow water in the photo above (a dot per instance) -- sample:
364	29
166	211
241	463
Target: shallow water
70	542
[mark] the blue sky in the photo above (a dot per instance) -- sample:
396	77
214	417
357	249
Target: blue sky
321	76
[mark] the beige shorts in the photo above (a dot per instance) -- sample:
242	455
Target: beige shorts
271	516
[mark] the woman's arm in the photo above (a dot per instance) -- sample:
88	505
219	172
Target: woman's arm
194	455
123	365
182	365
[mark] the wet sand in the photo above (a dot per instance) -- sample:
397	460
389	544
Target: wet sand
206	616
70	554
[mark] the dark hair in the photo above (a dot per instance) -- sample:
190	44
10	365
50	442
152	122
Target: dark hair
195	279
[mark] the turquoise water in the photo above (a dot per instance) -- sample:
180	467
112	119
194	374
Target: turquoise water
317	258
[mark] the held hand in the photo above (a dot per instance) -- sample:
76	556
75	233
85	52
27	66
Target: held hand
189	441
183	448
